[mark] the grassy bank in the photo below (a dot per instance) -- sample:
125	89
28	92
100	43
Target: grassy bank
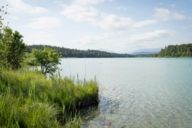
28	99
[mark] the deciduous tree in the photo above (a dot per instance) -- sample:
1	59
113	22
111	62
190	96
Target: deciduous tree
12	48
47	59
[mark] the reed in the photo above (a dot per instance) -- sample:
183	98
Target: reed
29	99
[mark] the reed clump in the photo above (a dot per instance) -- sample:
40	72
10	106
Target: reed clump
28	99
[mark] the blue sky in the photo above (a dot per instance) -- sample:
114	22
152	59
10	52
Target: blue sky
112	25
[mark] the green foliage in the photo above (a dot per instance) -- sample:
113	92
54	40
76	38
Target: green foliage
21	113
48	59
29	60
3	60
12	49
29	100
183	50
75	123
66	52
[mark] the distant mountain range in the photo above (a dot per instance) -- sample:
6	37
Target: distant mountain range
68	52
146	51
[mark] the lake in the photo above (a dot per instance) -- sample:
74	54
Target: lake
137	92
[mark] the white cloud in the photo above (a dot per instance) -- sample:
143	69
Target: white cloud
80	13
26	8
84	11
39	37
133	36
89	2
121	8
125	41
110	21
166	14
45	23
150	36
145	23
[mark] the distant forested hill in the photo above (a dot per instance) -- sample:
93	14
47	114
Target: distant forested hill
67	52
183	50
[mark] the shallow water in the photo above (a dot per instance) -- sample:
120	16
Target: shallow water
137	92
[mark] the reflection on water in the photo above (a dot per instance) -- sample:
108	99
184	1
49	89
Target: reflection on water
137	92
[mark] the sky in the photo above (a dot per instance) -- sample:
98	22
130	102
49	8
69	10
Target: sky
122	26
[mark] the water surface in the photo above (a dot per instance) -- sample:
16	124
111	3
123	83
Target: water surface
137	92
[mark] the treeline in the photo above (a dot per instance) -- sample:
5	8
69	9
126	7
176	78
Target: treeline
183	50
67	52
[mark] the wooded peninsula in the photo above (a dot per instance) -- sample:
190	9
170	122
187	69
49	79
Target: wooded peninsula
183	50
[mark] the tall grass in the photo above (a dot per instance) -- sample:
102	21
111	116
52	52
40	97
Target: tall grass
28	99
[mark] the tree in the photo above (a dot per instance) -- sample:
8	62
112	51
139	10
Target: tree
182	50
47	59
12	48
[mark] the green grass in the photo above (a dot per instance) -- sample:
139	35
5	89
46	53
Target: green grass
28	99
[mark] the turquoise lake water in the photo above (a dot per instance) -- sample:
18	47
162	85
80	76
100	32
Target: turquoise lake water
137	92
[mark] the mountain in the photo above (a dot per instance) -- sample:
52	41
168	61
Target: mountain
68	52
146	51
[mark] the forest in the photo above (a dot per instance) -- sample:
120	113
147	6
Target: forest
182	50
67	52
